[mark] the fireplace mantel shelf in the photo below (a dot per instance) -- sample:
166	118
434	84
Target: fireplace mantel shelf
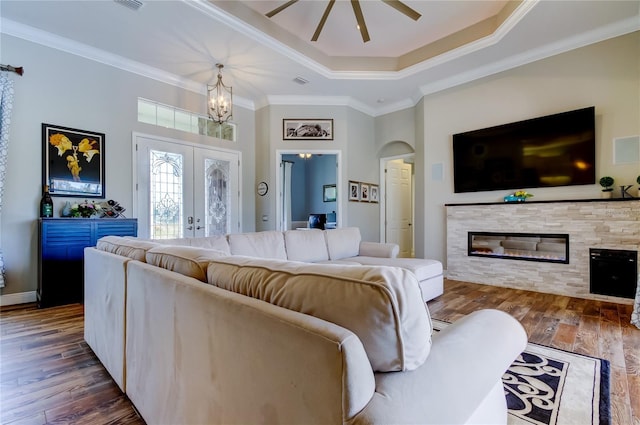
546	202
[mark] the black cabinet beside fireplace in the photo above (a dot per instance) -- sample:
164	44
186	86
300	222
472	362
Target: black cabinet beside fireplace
613	272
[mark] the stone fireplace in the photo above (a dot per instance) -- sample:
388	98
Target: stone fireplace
553	248
587	224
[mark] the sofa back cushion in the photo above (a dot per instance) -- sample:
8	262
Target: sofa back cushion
135	249
173	241
186	260
219	243
308	246
343	242
381	305
268	244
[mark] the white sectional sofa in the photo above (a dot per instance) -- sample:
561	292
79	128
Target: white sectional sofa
336	246
202	335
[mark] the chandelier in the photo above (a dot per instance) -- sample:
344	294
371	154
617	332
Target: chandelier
220	99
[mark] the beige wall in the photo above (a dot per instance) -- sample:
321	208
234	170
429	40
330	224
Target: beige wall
67	90
605	75
353	138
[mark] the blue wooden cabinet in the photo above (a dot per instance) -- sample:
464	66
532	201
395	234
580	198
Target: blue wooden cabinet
61	244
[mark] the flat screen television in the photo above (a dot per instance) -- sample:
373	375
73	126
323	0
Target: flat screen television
554	150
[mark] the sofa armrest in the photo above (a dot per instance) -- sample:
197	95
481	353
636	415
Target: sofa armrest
104	309
467	361
377	249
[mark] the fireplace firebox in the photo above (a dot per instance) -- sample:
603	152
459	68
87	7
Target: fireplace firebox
552	248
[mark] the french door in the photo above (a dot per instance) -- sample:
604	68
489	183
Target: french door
184	190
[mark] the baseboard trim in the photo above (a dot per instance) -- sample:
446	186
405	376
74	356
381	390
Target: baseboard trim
18	298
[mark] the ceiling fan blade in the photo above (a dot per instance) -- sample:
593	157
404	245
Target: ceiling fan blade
325	15
360	18
403	8
280	9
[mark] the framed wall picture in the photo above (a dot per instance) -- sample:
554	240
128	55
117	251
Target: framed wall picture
329	193
73	162
305	129
373	193
354	191
364	192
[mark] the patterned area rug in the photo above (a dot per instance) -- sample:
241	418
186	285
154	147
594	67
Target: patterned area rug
547	386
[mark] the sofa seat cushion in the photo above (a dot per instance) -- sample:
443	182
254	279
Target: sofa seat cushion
423	269
306	245
343	242
135	249
381	305
269	244
186	260
342	262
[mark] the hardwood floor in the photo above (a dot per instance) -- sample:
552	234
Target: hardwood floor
49	375
594	328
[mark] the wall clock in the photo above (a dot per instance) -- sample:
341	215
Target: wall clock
262	189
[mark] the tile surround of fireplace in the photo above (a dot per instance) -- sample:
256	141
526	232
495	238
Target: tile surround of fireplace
597	223
542	247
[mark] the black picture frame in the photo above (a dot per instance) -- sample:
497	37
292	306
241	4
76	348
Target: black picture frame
354	191
73	163
307	129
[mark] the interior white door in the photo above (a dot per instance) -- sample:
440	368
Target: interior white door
185	191
399	206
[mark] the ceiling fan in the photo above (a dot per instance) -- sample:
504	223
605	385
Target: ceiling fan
357	11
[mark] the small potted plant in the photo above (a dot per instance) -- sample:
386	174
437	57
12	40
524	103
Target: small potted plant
607	184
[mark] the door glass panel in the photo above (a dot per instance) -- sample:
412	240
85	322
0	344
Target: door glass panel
217	197
165	188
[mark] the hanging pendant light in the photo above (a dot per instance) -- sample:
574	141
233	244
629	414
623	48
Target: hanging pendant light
220	99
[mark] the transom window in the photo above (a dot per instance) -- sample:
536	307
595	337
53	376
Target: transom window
155	113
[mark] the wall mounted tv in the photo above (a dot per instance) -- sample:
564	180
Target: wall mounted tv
554	150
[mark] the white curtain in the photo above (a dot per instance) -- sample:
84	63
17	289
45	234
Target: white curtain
6	103
286	194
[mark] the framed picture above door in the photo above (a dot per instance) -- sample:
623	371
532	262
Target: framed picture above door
304	129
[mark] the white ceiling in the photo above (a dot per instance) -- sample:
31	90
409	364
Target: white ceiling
181	41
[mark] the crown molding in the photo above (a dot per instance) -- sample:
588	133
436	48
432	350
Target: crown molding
607	32
53	41
319	101
215	12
